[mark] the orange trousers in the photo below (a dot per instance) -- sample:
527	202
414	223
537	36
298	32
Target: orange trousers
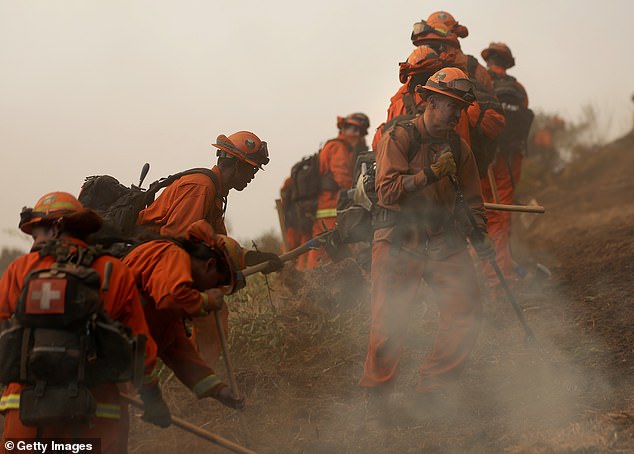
206	338
318	256
396	276
113	433
506	170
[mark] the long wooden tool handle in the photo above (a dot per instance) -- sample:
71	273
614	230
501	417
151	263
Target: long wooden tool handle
520	208
493	184
290	255
225	355
189	427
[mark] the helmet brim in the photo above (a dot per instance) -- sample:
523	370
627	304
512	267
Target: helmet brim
423	89
85	221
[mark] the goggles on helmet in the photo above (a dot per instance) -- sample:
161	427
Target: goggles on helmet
460	87
257	158
422	28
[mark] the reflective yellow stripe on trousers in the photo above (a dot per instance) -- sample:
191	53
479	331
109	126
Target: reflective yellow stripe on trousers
110	411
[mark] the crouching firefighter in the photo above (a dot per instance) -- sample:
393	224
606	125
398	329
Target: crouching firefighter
186	278
72	328
417	235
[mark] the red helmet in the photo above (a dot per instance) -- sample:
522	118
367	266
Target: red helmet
229	248
501	51
452	24
423	59
427	32
245	146
452	82
357	119
60	205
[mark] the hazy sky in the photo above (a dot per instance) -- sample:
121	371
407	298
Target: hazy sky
100	87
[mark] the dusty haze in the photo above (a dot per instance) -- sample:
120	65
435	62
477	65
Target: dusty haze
92	87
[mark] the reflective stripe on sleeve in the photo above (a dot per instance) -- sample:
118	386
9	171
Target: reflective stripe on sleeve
326	213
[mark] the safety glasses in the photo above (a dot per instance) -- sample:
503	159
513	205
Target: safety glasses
422	28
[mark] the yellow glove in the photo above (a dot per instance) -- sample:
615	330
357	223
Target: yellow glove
444	166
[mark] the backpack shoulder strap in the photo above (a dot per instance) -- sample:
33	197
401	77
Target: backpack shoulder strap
472	65
455	142
164	182
410	105
415	138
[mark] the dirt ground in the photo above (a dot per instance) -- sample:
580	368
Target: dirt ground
299	362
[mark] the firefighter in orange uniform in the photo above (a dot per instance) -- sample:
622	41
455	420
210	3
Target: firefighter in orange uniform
193	197
418	235
58	219
187	278
506	167
298	231
336	162
485	118
421	63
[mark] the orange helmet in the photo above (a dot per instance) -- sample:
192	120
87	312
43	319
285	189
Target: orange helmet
357	119
423	59
501	51
452	24
452	82
229	248
427	32
245	146
60	205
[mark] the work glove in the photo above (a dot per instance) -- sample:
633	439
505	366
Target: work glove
222	393
213	300
155	409
445	165
484	247
255	257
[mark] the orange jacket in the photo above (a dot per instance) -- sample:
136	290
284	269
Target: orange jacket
188	199
335	163
433	203
121	303
162	270
544	138
492	122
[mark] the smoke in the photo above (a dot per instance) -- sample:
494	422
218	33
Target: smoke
299	367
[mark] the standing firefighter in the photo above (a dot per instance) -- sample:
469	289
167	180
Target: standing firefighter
75	314
420	234
485	118
183	278
336	163
506	168
194	197
297	228
421	63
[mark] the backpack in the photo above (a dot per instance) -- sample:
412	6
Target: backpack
119	206
358	216
60	342
484	149
307	183
518	118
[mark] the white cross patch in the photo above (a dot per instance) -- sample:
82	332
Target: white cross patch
46	296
